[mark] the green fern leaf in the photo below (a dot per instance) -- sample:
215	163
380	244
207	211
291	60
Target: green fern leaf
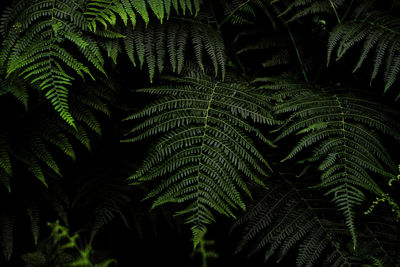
284	218
302	8
204	152
378	32
33	214
17	88
39	48
7	235
151	45
106	11
342	130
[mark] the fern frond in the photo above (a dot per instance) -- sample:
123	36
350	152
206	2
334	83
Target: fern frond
33	214
105	12
17	88
303	8
150	45
241	12
342	130
5	161
275	47
38	48
205	150
37	139
380	34
284	218
7	235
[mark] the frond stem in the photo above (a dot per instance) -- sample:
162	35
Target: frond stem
345	163
297	53
203	144
232	13
336	13
348	10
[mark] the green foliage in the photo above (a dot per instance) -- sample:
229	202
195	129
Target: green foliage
7	223
303	8
104	195
34	138
283	218
208	128
63	250
205	150
276	50
204	250
105	12
379	34
385	197
158	44
342	130
33	214
375	263
289	218
17	88
36	46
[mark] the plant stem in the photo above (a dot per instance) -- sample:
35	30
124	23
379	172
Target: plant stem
297	53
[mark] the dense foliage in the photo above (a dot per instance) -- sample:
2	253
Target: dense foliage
157	123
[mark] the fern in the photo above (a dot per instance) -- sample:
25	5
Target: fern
152	45
342	130
64	249
35	138
285	218
33	214
247	12
36	47
7	235
103	194
105	12
381	233
17	88
204	151
289	218
378	32
277	49
303	8
5	161
241	12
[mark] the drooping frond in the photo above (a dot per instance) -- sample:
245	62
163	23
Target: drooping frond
34	138
302	8
7	235
104	194
246	11
343	132
204	151
379	34
37	46
33	215
17	88
105	12
285	218
277	50
157	44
